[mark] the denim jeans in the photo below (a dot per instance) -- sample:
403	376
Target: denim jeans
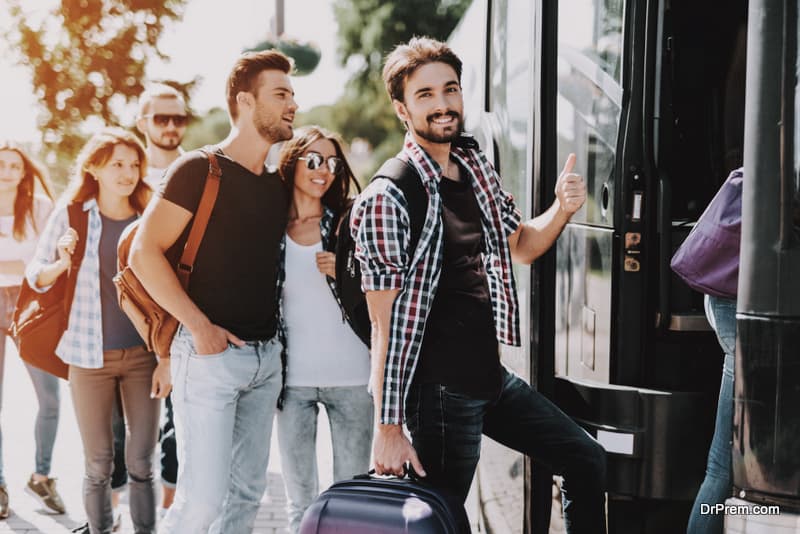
128	373
446	428
718	482
45	385
350	414
224	405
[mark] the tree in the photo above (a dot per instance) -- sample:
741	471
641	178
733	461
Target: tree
87	59
368	30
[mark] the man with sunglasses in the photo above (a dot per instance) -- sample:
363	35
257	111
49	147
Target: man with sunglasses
162	120
439	311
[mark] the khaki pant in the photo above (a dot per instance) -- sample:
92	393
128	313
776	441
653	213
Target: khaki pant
93	394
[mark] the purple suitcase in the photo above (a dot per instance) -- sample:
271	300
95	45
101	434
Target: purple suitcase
370	505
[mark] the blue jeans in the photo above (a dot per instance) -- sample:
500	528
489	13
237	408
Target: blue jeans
350	414
446	429
718	482
224	405
45	385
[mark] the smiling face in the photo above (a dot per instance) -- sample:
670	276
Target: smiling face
274	106
118	176
12	169
314	183
433	106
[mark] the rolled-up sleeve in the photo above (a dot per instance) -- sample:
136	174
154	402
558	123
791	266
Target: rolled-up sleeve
379	226
46	253
510	215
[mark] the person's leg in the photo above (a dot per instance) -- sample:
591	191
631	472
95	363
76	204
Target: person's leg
40	484
93	392
169	455
254	413
204	398
350	415
119	477
141	412
717	484
526	421
446	430
297	442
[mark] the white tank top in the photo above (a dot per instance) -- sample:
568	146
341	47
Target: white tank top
322	349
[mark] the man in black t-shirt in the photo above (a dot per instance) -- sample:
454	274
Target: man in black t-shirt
225	358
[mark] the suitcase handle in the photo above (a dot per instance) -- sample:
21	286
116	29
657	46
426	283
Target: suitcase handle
408	474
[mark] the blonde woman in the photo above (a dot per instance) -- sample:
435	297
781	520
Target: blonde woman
104	352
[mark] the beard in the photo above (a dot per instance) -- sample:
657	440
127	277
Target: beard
272	131
171	142
429	134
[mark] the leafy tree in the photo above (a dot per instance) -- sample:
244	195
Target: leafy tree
87	59
368	30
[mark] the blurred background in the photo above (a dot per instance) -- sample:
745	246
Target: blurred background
68	67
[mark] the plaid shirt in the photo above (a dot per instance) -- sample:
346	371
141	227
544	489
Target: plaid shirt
381	229
82	343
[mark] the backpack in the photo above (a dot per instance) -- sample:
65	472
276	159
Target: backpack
153	323
352	300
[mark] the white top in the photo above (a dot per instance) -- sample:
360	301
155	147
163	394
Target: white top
13	250
154	177
322	349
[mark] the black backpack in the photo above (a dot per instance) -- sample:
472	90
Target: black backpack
348	271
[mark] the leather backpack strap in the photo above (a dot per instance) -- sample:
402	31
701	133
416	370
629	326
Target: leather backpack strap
79	220
204	208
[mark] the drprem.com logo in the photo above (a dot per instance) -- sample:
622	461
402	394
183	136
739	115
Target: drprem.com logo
739	509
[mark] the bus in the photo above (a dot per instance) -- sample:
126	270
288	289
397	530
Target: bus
660	100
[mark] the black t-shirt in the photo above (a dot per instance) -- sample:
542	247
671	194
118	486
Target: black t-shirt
459	348
234	276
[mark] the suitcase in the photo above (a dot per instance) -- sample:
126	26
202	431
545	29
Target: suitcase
372	505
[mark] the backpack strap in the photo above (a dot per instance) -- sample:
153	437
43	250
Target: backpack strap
405	176
207	201
79	220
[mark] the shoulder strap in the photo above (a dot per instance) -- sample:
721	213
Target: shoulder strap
79	220
406	178
200	222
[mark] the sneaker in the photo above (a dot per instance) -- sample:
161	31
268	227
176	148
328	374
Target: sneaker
45	492
83	529
3	502
117	515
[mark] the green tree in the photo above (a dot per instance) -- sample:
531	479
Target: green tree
368	30
209	129
87	59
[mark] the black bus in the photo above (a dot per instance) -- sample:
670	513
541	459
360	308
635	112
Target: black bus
660	100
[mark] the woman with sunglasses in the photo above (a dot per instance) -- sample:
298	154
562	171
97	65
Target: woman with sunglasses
104	352
326	362
23	213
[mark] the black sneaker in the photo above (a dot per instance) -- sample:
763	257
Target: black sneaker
45	492
83	529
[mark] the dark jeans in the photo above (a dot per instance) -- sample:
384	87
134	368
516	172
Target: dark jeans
446	430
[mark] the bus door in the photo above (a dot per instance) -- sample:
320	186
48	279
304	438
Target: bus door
651	102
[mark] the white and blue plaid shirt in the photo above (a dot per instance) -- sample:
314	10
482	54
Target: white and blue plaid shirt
82	343
380	227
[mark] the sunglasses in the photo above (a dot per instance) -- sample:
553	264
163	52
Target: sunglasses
314	161
162	120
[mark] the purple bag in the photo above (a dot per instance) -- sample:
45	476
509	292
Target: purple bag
708	260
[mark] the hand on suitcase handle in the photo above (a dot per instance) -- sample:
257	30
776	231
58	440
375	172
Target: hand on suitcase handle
408	472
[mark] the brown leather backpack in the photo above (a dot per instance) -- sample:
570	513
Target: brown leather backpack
156	326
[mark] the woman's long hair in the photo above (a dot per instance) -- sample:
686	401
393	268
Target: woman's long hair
339	193
96	153
33	172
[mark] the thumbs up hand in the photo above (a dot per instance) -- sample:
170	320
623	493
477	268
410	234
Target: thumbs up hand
570	188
